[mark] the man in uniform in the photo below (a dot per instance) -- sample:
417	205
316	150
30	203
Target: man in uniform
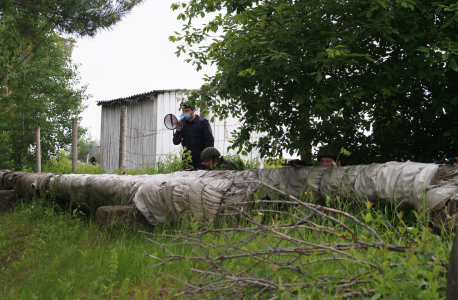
329	154
195	134
213	160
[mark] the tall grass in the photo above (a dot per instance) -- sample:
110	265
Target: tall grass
52	253
49	252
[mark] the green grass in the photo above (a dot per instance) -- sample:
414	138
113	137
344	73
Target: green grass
48	252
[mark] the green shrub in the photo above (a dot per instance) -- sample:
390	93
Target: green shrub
63	165
243	164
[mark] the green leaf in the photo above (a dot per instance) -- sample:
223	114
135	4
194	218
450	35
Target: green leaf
452	63
319	76
423	49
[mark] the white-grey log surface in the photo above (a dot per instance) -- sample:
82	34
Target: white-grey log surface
167	197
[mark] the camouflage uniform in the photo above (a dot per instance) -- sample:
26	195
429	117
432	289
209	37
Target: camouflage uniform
226	165
222	164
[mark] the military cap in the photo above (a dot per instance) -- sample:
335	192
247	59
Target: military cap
329	151
209	152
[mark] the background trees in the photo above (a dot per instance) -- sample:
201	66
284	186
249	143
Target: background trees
43	92
375	77
39	84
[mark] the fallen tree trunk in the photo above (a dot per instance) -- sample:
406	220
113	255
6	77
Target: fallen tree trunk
168	197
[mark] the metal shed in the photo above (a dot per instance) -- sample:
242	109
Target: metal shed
147	138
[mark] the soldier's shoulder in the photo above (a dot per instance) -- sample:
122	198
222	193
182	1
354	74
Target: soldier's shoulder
227	165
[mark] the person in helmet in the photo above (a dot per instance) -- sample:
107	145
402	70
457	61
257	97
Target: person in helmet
329	154
211	158
195	135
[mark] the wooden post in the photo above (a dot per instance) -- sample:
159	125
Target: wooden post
123	138
38	149
87	158
75	146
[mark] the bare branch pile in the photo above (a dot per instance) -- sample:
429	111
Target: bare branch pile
303	251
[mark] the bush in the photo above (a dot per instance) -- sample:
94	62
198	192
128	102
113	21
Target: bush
243	164
63	165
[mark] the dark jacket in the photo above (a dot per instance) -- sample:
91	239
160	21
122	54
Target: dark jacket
195	136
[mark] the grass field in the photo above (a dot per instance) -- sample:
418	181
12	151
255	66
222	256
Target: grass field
48	252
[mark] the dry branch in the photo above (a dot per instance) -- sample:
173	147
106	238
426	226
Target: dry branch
257	259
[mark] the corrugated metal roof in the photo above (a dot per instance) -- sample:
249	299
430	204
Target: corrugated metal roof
134	98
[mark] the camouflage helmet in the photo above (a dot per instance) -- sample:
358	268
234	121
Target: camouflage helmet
329	151
209	152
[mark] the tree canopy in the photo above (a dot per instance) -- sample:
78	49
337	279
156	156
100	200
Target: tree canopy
42	91
378	78
82	17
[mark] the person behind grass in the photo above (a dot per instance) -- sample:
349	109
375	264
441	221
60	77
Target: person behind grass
329	154
195	135
213	160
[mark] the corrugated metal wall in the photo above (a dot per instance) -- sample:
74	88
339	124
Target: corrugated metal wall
141	132
147	138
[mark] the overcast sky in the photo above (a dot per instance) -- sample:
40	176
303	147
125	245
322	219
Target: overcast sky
134	57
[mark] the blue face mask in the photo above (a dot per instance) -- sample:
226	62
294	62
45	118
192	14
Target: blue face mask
184	117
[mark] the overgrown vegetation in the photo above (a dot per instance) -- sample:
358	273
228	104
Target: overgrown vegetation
169	163
59	253
47	252
39	86
63	165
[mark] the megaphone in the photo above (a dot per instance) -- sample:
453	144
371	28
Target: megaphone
171	122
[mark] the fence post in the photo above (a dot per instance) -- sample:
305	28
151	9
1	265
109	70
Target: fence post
75	145
123	137
38	149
